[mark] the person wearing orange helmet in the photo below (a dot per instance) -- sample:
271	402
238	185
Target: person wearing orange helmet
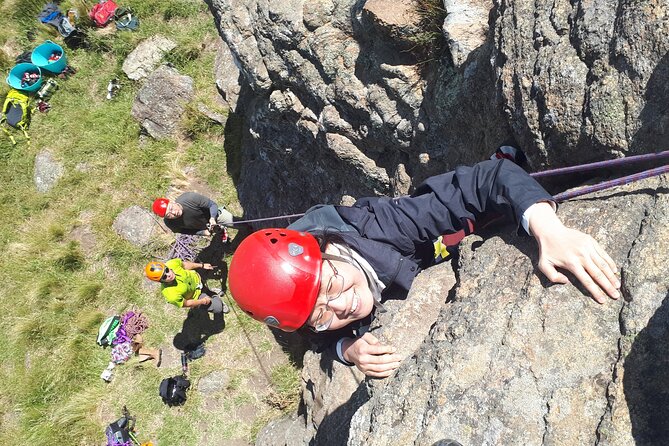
329	271
191	213
182	286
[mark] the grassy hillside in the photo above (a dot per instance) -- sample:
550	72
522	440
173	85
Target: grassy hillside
65	269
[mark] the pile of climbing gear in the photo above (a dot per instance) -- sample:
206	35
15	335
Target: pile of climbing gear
125	19
123	334
106	11
31	89
53	16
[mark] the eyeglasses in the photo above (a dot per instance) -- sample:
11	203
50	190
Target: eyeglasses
333	291
166	271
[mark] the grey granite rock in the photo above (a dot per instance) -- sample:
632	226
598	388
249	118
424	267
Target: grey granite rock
161	102
48	171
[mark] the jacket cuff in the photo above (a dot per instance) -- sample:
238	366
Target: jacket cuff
525	219
340	355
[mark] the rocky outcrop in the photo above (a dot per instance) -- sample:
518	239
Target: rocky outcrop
504	358
337	102
161	102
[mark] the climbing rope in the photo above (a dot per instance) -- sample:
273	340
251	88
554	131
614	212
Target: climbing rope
564	196
183	247
602	164
136	324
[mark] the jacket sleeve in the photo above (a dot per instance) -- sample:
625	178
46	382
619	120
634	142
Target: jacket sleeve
445	204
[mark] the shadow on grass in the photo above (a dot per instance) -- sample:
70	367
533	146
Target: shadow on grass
198	326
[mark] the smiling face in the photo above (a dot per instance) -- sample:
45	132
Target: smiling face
344	296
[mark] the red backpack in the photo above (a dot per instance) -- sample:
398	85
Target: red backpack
103	12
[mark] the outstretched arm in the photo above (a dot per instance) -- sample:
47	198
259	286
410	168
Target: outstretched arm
574	251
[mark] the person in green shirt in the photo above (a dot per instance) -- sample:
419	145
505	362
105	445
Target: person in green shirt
182	286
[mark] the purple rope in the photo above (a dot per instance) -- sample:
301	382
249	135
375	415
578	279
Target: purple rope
183	247
121	335
612	183
600	164
554	172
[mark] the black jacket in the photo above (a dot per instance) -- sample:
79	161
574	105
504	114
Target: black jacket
396	235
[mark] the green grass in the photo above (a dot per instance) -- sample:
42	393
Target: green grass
57	290
429	42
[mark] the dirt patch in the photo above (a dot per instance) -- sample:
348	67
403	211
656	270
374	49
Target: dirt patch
86	239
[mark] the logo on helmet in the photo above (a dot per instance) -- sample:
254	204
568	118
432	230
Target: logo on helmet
295	250
272	321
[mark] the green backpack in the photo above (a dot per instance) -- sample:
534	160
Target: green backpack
16	112
107	330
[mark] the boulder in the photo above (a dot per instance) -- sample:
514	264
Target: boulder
146	57
48	171
161	102
136	225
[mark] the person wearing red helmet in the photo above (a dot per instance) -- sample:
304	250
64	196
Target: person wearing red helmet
191	213
330	270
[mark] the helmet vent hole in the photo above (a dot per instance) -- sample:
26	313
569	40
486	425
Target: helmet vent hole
273	240
249	313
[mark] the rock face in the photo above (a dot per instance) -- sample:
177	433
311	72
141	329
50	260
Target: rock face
509	360
161	102
336	105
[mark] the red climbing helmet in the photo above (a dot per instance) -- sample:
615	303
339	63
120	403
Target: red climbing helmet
160	206
275	276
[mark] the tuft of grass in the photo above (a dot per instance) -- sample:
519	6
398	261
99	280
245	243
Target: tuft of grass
196	124
71	258
285	394
430	42
181	56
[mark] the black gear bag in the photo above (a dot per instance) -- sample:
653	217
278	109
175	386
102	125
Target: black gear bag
173	390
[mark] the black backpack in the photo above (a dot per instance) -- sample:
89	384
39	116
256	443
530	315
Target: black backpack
173	390
118	432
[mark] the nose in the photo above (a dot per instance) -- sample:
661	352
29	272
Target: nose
340	304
